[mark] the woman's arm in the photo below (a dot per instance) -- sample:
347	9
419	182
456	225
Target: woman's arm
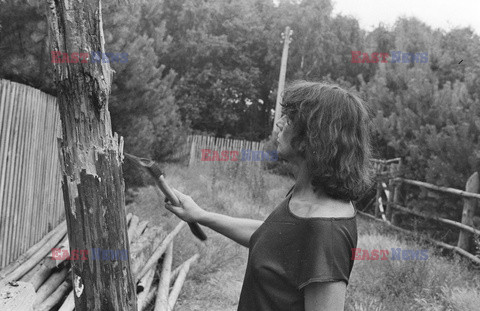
237	229
325	296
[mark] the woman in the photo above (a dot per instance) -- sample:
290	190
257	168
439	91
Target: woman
300	256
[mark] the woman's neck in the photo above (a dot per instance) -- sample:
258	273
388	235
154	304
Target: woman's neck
303	183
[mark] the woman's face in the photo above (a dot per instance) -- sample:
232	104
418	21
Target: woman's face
285	134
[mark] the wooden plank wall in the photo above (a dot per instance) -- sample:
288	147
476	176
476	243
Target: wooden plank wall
31	201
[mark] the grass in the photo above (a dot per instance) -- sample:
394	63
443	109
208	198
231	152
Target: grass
237	189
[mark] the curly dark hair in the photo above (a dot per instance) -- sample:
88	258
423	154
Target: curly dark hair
335	128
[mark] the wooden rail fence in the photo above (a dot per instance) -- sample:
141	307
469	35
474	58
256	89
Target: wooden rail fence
31	200
388	186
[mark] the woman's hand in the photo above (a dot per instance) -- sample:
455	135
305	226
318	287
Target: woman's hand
188	210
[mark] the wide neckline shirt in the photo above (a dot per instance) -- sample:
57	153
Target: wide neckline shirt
288	252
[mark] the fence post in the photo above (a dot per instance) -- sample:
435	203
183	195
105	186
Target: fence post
469	207
389	208
192	154
392	187
396	195
377	198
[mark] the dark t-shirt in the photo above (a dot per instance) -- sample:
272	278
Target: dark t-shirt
288	252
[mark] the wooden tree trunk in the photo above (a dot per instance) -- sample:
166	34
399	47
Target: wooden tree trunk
93	185
469	206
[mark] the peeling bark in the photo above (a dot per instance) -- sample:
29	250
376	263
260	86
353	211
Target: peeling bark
92	183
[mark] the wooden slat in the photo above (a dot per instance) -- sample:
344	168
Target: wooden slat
29	185
8	91
438	188
17	188
9	203
30	196
22	177
441	244
433	217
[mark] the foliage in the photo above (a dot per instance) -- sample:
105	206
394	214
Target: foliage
431	123
142	106
212	67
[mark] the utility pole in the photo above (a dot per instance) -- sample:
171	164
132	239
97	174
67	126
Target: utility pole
281	80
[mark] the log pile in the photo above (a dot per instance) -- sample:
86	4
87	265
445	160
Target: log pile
38	281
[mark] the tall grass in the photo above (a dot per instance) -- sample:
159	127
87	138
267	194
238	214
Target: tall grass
438	283
243	190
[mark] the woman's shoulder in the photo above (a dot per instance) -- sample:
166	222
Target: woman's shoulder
322	208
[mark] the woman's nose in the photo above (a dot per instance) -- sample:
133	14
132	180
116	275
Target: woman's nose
279	124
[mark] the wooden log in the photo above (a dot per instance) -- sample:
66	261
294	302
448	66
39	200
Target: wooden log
35	258
28	276
45	268
464	194
143	248
440	219
465	239
129	218
139	256
160	250
141	228
16	297
150	237
69	303
174	274
56	297
150	297
177	287
44	272
59	230
145	284
161	303
92	179
133	227
50	285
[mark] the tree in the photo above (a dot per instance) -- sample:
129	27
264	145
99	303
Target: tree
143	107
24	55
218	50
93	186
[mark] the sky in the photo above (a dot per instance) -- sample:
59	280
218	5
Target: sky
437	14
